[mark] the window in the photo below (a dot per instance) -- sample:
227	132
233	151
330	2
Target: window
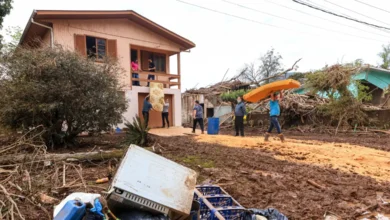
158	59
134	55
96	47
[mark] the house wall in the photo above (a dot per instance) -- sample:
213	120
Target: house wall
46	38
126	33
132	100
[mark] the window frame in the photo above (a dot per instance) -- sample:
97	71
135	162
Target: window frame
97	59
159	54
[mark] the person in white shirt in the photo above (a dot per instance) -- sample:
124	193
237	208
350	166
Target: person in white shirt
165	113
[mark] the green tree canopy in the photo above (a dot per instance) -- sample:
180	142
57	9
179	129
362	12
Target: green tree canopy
55	87
5	9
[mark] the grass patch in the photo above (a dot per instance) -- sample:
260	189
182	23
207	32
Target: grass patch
196	160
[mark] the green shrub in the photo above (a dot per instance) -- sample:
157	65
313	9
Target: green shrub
137	132
231	96
52	87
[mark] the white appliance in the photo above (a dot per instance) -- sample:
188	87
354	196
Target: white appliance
145	180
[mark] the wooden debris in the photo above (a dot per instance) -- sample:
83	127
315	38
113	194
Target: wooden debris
47	199
311	182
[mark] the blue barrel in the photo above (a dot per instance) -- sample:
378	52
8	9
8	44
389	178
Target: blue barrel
212	125
72	210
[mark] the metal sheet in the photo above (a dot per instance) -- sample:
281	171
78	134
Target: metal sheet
156	178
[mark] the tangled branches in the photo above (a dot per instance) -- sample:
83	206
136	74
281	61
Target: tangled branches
344	106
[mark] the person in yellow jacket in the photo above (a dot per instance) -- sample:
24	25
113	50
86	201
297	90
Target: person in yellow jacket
239	114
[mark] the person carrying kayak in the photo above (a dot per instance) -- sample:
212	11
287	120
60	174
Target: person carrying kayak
274	114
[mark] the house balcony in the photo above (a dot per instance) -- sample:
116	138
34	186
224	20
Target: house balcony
142	78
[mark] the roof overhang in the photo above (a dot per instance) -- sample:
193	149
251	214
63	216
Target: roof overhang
379	69
42	15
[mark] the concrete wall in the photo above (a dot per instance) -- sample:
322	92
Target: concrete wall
222	110
132	99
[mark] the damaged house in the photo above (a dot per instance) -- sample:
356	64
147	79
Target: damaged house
210	99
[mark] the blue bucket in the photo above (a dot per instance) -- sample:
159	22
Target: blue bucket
213	126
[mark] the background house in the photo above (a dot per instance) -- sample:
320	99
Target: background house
125	35
376	79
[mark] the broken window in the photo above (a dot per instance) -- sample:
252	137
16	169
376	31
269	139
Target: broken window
158	59
96	47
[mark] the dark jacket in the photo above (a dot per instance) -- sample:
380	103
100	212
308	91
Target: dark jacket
240	109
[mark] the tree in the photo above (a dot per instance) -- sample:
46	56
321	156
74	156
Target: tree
298	76
385	56
14	33
269	69
60	91
269	66
5	9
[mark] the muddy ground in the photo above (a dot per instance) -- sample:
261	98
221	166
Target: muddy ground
375	140
256	179
258	175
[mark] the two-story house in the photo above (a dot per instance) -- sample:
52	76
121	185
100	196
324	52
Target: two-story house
125	35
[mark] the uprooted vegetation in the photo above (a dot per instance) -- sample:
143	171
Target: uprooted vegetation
344	107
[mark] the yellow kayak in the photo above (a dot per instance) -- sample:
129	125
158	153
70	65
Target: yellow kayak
264	91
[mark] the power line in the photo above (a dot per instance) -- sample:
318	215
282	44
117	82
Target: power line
355	12
291	20
341	16
303	12
325	7
258	22
372	6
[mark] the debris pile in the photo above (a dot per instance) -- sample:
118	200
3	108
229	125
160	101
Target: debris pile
219	88
32	180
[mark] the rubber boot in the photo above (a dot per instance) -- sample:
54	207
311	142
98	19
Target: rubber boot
281	136
266	137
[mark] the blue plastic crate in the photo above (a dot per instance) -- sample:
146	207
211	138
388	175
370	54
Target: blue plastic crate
216	201
209	189
231	212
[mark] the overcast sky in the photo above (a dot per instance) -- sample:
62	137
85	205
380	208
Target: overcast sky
227	42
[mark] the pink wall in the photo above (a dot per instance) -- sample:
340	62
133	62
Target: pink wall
126	33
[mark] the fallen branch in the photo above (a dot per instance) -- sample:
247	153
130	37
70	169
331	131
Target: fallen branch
63	175
12	202
282	73
102	155
380	131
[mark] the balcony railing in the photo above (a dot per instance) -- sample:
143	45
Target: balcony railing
159	77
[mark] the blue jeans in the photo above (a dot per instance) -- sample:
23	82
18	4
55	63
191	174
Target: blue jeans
274	123
135	83
150	77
